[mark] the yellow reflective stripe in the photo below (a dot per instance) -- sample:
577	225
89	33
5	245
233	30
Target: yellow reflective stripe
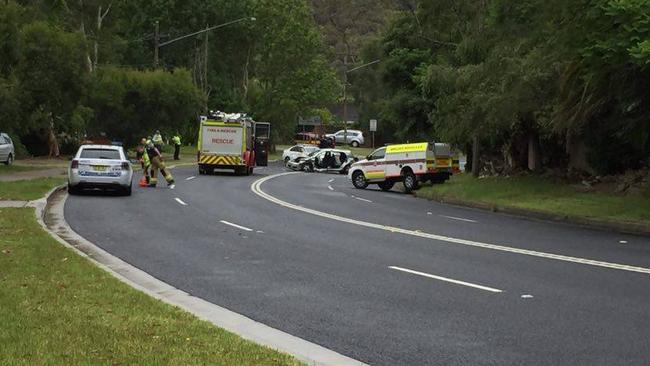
375	175
404	148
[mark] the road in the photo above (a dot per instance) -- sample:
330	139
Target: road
384	277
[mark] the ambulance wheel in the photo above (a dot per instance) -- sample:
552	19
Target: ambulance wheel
359	180
410	181
386	186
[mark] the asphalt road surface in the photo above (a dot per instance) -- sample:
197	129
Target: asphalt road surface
384	277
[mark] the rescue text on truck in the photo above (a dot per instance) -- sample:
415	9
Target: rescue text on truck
226	141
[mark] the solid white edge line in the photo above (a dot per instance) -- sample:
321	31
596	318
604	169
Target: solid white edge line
235	225
362	199
190	178
458	219
180	201
255	187
445	279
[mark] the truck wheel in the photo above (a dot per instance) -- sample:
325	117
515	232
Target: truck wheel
355	144
201	171
359	180
386	186
410	181
127	190
250	171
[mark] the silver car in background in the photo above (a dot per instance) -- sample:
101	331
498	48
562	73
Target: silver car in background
7	151
100	166
354	137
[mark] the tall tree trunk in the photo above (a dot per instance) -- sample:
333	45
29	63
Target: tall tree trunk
476	169
533	151
100	20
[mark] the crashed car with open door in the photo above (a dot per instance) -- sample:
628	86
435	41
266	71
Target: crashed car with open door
324	161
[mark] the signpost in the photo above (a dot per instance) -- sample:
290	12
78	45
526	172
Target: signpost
373	128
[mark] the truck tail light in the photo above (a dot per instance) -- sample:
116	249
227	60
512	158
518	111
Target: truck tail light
74	164
126	166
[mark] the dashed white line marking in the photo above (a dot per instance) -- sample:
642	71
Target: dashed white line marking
330	181
330	188
172	186
259	232
190	178
180	201
445	279
362	199
429	213
623	241
526	296
235	225
255	187
458	218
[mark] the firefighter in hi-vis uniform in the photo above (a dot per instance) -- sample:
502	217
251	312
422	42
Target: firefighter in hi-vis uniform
157	164
144	160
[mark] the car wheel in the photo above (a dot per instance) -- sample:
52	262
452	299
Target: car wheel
309	168
10	159
410	181
355	143
286	161
72	190
386	186
127	191
359	180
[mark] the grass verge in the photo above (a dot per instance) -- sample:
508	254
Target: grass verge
27	190
536	194
58	308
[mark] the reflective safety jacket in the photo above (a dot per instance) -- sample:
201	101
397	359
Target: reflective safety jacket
176	140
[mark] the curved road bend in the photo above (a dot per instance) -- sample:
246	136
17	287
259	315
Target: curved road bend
386	296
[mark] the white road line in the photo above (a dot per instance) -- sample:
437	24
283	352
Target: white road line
235	225
330	181
458	218
526	296
330	188
180	201
190	178
255	187
362	199
445	279
172	186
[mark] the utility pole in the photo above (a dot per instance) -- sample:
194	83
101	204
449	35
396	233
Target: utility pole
345	93
205	68
156	38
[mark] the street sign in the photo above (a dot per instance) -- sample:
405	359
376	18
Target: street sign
310	121
373	125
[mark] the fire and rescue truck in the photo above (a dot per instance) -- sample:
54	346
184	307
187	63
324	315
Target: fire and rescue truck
227	141
410	164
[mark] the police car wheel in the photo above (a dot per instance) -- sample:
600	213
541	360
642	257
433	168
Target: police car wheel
359	180
410	182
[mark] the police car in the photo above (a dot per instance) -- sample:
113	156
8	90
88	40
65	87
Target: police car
410	164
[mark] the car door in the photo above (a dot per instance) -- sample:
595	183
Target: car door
4	149
376	170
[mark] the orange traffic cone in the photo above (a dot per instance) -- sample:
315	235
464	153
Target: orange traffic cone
143	182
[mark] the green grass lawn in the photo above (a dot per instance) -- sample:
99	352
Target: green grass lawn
26	190
58	308
541	195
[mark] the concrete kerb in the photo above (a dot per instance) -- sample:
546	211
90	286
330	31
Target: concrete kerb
588	223
50	215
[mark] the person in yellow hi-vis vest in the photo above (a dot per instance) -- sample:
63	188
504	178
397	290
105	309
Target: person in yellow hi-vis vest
143	157
157	163
176	141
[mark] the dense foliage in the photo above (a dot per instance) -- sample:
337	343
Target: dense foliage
534	83
86	67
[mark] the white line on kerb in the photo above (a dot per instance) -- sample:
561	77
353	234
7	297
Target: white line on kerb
255	187
362	199
458	218
190	178
180	201
445	279
235	225
330	188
